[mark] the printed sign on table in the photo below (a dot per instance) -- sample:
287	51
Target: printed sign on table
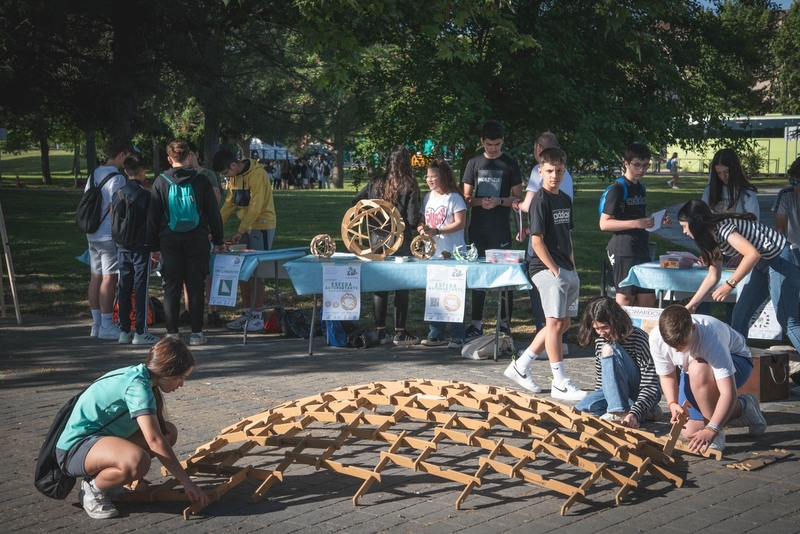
766	325
341	292
225	279
444	296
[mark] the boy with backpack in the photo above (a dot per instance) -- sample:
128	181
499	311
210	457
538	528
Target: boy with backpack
552	270
93	218
623	211
183	212
129	232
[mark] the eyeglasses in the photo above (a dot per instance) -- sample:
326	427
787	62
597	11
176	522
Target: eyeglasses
794	181
640	166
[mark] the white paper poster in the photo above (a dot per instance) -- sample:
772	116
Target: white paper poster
445	291
341	292
225	279
766	325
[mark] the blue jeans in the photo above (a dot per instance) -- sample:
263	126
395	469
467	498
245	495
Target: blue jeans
743	368
620	384
457	330
778	279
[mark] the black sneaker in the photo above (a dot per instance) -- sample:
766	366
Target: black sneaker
473	332
184	319
504	329
431	341
404	337
214	319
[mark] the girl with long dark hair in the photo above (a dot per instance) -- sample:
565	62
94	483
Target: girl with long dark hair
728	188
773	266
626	386
399	187
118	425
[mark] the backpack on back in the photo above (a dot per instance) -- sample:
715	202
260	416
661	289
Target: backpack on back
126	221
89	214
182	213
624	183
669	163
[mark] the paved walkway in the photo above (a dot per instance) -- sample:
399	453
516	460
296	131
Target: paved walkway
47	360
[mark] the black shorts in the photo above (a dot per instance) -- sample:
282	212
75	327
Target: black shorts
620	267
489	238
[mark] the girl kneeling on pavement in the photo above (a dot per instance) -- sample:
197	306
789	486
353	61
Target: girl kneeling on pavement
118	425
627	389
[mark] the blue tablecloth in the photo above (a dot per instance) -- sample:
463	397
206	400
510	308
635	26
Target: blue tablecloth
306	274
254	258
652	276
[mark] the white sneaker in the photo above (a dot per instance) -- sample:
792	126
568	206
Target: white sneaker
125	338
95	331
112	332
719	442
145	339
198	339
751	416
256	324
239	323
613	417
524	380
174	335
566	390
95	502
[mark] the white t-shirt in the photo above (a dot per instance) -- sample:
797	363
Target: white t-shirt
712	341
535	183
439	210
103	233
748	202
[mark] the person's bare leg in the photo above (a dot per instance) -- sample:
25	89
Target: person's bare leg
646	300
624	300
108	292
114	462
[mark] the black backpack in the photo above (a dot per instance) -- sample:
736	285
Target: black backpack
89	214
48	477
126	220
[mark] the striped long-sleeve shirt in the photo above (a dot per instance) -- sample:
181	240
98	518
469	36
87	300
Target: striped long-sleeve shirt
638	347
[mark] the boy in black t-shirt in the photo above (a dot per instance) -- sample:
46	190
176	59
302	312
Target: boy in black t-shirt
491	182
627	218
552	270
134	262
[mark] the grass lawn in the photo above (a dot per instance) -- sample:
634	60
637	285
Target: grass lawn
44	240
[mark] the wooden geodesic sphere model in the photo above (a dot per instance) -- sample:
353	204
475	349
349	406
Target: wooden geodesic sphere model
323	246
373	229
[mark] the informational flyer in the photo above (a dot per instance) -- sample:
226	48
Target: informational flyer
341	292
225	279
445	290
765	324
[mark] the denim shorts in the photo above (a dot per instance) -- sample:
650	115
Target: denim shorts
743	367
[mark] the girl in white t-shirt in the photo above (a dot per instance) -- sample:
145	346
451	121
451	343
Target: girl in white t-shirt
443	218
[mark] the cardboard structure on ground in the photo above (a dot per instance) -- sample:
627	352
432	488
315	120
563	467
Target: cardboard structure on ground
459	432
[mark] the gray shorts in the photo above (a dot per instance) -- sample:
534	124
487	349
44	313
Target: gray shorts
103	257
559	293
73	461
258	239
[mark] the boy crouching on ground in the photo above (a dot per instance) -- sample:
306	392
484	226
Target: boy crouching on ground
552	270
714	362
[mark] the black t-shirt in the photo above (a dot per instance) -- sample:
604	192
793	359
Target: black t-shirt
551	216
628	242
491	178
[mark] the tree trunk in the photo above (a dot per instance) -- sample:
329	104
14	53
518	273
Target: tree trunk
211	131
76	161
156	158
91	152
44	147
337	174
244	146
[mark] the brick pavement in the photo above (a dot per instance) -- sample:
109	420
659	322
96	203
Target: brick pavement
47	360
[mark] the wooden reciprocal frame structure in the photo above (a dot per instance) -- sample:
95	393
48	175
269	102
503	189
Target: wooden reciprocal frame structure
373	229
423	247
491	429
